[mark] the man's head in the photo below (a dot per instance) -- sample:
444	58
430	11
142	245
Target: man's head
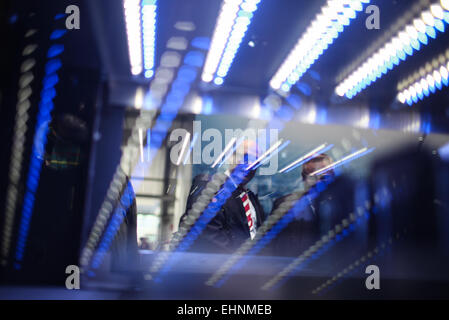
311	166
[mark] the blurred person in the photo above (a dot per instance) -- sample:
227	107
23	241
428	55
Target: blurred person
240	216
144	244
303	231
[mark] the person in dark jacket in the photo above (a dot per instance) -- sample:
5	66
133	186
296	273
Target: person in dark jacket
304	230
237	220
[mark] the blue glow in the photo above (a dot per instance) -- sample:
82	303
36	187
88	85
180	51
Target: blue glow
46	105
409	49
295	101
218	81
180	87
240	27
57	34
343	19
430	31
209	213
52	66
55	50
13	18
60	16
149	74
207	105
202	43
304	88
437	83
439	25
194	59
148	17
114	225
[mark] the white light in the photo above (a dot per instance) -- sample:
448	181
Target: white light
138	98
183	148
229	146
444	72
437	76
141	145
311	45
412	32
419	25
428	18
435	79
400	45
307	156
437	11
149	36
218	81
445	4
334	164
207	77
133	30
228	34
197	105
430	81
274	147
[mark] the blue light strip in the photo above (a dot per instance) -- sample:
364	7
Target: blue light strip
149	8
232	25
427	80
405	43
321	33
48	93
114	225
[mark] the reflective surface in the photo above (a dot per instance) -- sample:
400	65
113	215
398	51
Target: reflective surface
224	149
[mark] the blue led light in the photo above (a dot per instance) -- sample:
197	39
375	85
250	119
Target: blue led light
57	34
407	46
315	45
218	81
239	29
46	105
149	73
55	50
149	8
